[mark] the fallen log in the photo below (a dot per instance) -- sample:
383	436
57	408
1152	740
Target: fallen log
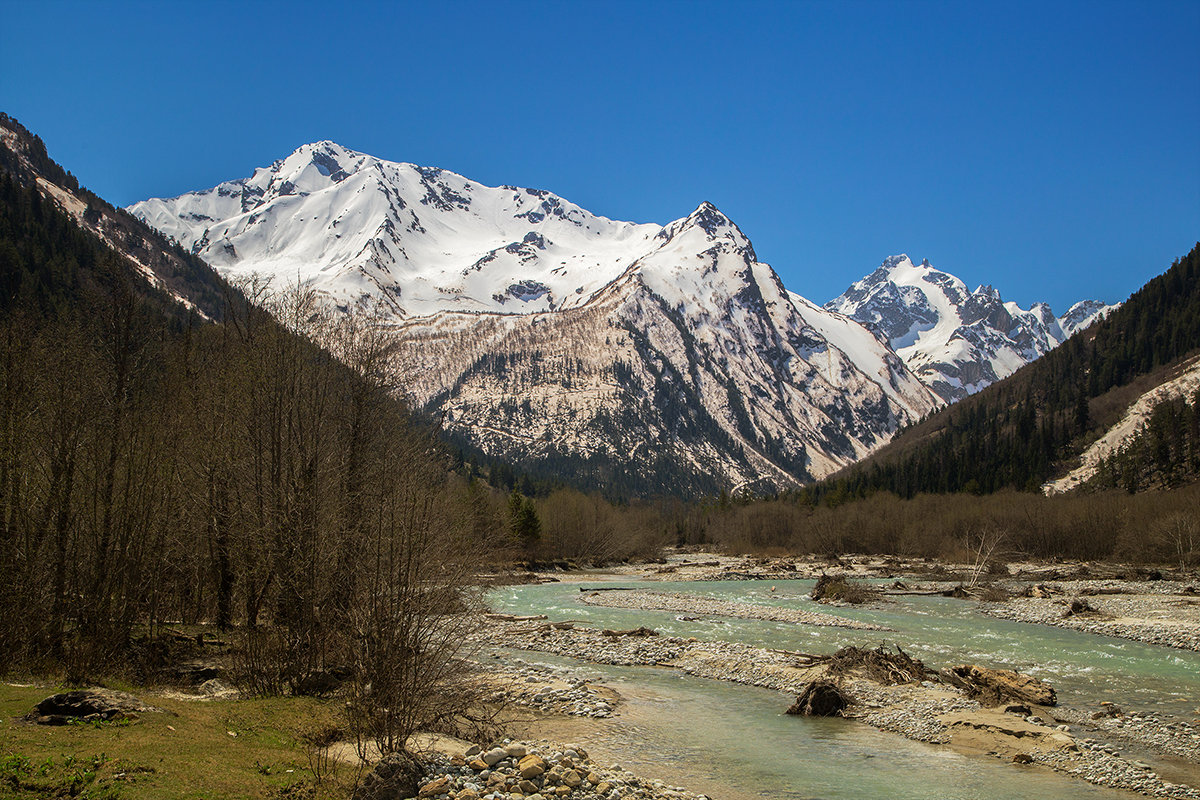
993	687
633	632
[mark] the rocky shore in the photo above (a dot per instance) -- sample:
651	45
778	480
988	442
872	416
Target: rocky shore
551	690
929	711
1101	746
510	770
708	606
1155	613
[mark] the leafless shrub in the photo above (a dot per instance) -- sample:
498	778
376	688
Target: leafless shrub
839	589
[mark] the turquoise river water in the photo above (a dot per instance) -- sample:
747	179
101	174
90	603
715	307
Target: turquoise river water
736	739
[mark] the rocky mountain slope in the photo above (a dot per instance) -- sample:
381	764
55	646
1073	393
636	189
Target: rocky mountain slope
644	357
171	275
1112	406
957	341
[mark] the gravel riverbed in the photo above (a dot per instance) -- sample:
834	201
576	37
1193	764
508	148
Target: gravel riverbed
709	606
913	711
1154	613
510	770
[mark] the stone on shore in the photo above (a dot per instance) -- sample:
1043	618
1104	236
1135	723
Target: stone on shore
396	776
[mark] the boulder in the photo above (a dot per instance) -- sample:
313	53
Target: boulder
1079	606
87	704
531	766
395	777
993	687
820	698
322	682
435	787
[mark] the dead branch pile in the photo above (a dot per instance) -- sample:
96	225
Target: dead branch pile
838	588
880	665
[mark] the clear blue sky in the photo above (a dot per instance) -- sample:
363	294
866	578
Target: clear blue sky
1051	149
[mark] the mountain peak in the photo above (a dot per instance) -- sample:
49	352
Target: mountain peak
957	341
710	218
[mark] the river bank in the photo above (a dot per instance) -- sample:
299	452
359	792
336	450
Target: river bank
927	712
1136	753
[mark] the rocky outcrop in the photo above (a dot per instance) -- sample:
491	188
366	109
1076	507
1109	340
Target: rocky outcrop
89	705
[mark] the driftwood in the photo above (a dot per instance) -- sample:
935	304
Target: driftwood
879	665
545	627
820	698
515	617
607	589
993	687
633	632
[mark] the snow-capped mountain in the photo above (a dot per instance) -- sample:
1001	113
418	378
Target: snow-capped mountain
957	341
635	354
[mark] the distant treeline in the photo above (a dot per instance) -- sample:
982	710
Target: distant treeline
1150	527
1020	432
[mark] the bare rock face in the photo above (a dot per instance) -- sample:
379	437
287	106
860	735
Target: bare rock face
993	687
820	698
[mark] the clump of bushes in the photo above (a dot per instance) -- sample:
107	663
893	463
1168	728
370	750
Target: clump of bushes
840	589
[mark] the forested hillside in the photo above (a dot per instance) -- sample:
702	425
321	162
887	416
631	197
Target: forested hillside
252	472
1022	431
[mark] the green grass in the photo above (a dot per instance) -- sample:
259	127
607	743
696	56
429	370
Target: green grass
187	753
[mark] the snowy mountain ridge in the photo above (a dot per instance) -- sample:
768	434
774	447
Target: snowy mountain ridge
628	354
955	340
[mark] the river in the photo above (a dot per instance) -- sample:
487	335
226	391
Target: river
734	741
